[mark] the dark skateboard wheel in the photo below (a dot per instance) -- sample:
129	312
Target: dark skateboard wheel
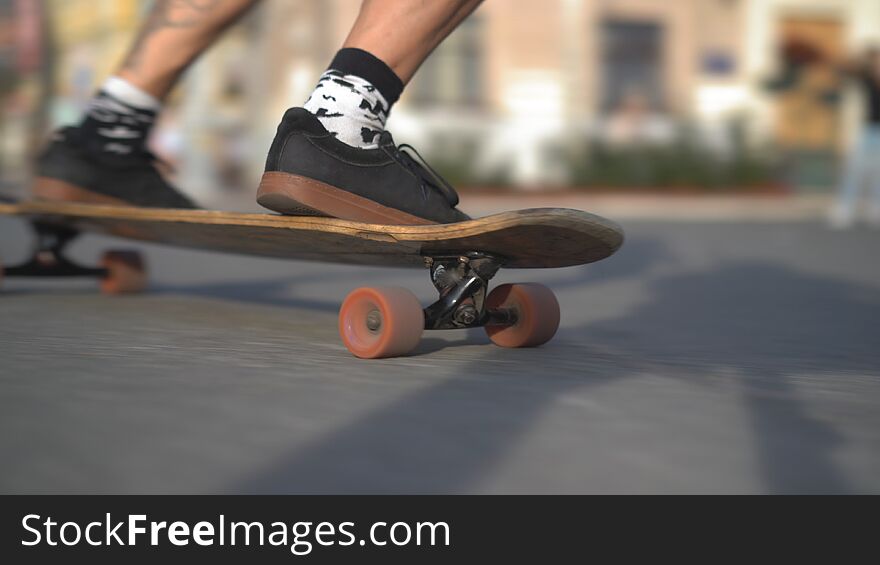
381	322
126	272
536	310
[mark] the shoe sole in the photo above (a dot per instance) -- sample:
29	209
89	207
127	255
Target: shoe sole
46	188
301	196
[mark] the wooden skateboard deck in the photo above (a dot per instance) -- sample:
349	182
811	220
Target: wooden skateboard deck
373	322
537	238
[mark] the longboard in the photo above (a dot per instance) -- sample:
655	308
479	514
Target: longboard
461	258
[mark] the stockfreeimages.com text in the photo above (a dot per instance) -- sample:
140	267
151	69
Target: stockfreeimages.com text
300	537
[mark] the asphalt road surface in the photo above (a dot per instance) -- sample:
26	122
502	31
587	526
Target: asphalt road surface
710	358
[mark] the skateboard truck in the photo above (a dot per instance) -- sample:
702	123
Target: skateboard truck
462	281
120	271
389	321
49	259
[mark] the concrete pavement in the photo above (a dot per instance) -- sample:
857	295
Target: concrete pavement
704	357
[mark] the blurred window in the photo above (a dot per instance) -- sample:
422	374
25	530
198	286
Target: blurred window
632	63
454	75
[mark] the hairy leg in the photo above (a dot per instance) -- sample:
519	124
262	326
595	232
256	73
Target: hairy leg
402	33
173	35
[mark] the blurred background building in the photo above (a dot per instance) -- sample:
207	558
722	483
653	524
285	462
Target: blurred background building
599	94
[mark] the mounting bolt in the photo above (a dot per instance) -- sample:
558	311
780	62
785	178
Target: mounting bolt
466	315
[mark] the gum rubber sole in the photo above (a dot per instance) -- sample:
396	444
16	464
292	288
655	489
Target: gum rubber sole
46	188
297	195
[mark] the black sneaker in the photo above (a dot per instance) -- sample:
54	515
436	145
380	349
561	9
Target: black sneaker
68	170
310	172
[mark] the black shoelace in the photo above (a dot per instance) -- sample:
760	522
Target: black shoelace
409	157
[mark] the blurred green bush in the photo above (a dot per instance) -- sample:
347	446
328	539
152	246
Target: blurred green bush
686	163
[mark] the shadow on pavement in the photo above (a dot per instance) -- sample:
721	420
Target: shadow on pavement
445	438
767	323
272	292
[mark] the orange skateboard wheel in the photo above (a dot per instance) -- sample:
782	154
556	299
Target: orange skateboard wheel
536	310
126	273
381	322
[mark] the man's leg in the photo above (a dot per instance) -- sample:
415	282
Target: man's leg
403	34
174	34
333	157
389	41
104	159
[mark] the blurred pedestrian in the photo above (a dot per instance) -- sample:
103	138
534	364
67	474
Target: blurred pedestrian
863	162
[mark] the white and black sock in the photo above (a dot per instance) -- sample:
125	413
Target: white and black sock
119	118
354	96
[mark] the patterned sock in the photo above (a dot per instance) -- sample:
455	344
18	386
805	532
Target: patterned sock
119	118
354	96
